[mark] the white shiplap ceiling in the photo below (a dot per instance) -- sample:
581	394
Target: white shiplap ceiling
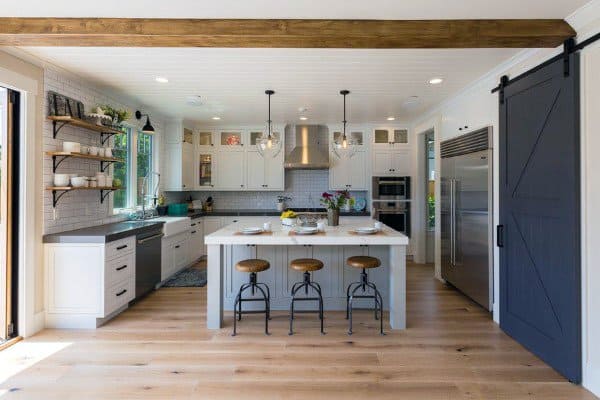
231	82
343	9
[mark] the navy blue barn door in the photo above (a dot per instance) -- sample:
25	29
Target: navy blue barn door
539	232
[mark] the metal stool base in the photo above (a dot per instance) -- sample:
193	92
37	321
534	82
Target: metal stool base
254	286
306	284
376	296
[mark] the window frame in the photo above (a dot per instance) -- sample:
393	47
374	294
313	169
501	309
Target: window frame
133	133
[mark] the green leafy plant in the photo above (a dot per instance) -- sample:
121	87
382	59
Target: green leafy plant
336	200
120	115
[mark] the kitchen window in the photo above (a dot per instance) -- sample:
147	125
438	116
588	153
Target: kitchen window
139	164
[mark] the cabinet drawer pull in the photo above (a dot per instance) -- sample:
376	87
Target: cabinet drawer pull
193	224
178	246
121	267
122	292
122	247
192	232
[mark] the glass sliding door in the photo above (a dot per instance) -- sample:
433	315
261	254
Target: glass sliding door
9	125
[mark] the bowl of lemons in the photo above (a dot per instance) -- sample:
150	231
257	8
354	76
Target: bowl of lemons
288	218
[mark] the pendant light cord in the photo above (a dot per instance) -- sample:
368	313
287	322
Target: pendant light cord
344	93
269	120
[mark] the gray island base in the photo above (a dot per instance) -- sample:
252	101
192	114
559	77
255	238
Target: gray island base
227	246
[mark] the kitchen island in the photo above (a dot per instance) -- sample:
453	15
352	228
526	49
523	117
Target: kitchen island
227	246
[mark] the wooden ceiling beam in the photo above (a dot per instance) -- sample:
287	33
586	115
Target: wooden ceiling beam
284	33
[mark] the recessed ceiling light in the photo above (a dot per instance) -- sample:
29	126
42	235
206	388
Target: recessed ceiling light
391	118
161	79
194	100
436	81
303	118
216	118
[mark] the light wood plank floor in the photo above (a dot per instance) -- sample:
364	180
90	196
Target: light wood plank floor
160	349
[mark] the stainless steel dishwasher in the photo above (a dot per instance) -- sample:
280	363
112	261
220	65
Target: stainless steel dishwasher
147	261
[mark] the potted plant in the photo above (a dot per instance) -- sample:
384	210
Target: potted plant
333	203
281	202
118	116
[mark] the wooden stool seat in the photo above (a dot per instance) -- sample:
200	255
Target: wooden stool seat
306	264
363	262
252	265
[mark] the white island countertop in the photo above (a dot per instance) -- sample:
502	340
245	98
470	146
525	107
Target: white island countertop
280	234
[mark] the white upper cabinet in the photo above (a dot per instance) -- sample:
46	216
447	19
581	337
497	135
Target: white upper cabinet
392	162
265	172
180	173
206	140
205	162
231	170
469	113
390	137
351	173
232	139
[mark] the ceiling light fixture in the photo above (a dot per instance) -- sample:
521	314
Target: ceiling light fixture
216	118
148	128
303	118
344	147
436	81
161	79
269	143
391	118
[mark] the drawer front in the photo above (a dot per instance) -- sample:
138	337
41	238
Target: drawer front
180	254
119	269
119	248
119	295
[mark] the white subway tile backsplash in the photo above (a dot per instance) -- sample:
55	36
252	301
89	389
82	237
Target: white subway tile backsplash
303	186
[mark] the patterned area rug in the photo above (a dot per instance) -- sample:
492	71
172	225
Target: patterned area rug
189	277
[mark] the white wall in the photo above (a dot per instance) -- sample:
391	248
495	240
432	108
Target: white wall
590	185
78	209
586	22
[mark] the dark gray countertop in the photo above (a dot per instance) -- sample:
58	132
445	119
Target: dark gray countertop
264	213
103	233
119	230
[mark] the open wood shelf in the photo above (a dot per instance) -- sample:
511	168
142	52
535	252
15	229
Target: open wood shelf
59	156
58	121
104	191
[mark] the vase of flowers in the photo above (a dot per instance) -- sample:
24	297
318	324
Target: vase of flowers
333	203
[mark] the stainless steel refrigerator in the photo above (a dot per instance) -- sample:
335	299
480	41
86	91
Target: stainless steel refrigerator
466	212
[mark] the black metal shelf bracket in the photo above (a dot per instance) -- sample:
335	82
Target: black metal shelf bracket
56	162
56	127
105	164
56	196
104	194
104	136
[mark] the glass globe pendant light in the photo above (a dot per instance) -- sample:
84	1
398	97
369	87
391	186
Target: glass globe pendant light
344	147
268	144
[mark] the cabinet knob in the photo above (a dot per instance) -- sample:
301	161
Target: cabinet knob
241	185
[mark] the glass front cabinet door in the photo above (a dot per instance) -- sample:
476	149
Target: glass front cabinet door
206	139
206	163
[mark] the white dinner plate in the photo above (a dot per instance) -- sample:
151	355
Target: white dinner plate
306	230
252	230
365	230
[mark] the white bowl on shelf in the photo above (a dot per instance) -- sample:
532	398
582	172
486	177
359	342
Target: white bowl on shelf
93	151
62	179
72	147
79	181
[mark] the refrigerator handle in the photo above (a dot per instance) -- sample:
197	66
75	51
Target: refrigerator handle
500	235
452	223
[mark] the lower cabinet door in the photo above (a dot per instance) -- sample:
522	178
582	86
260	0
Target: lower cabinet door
118	295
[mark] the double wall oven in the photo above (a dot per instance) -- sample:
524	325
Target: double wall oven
391	202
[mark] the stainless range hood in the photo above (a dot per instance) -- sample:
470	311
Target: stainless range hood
311	147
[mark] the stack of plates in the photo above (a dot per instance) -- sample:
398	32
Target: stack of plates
365	230
306	230
251	230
